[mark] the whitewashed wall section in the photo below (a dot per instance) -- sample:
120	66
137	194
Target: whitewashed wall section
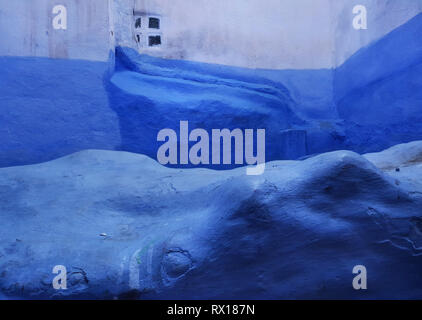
27	29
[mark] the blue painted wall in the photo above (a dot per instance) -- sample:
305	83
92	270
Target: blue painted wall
378	91
150	94
53	107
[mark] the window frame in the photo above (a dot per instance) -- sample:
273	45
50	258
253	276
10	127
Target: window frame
151	17
154	35
144	32
140	18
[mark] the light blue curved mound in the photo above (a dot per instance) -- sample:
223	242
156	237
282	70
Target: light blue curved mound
126	227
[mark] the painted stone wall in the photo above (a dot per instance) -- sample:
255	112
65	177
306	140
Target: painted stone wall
54	107
27	29
288	34
271	34
378	91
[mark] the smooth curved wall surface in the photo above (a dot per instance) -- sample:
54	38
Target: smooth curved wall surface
378	91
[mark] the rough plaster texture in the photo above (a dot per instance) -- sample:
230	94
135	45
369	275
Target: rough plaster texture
27	29
382	75
289	34
295	232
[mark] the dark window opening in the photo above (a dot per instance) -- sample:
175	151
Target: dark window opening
154	23
138	38
154	41
138	23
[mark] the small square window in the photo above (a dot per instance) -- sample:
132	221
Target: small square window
154	41
154	23
138	23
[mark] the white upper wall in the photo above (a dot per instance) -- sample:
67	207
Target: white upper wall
272	34
26	29
269	34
